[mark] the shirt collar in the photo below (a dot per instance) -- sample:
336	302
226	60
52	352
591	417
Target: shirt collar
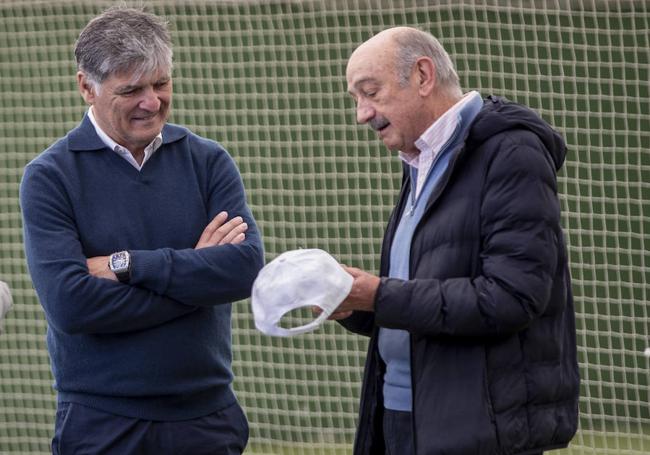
437	135
111	144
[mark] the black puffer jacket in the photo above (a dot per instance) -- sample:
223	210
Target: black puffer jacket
488	304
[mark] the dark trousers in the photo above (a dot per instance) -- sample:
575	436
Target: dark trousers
398	432
80	430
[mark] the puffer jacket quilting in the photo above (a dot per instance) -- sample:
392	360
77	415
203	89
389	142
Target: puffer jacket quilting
489	304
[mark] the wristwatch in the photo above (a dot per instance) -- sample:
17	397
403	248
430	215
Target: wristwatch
120	265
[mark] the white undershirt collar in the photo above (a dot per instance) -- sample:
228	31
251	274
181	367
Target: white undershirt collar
121	150
433	139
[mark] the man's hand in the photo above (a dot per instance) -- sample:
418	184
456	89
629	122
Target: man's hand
222	232
363	292
98	267
361	296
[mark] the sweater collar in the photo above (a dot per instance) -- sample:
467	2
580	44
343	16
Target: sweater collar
84	137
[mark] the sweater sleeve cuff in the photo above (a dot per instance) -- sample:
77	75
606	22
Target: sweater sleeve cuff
150	269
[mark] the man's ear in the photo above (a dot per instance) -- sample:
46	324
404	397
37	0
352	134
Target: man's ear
425	73
86	88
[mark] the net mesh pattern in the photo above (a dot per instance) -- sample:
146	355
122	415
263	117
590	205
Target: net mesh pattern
267	80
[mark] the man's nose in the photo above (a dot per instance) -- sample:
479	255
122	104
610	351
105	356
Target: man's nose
365	112
150	100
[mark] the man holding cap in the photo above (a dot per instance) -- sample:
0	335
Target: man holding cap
472	348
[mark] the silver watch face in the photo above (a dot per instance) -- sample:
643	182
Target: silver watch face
120	261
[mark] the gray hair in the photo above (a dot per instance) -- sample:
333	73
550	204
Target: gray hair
123	40
413	44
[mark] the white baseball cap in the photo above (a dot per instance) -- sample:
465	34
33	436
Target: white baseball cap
296	279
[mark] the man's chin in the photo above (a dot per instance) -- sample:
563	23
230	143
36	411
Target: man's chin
389	145
147	124
144	129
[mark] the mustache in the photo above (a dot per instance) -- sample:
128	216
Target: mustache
378	123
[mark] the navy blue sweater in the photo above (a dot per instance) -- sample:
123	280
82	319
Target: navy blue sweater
158	348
